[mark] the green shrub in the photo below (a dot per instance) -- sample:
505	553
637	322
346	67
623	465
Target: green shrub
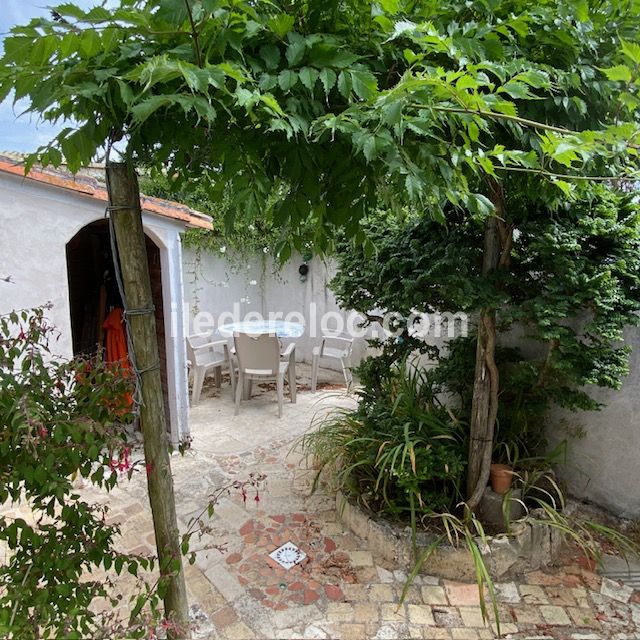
58	420
399	451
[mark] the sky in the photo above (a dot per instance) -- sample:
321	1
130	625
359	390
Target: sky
25	133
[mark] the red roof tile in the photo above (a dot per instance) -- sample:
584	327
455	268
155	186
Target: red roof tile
89	186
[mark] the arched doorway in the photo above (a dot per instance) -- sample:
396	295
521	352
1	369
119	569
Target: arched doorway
93	292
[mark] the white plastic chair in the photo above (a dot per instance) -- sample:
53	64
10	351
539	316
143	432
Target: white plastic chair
339	348
204	355
259	358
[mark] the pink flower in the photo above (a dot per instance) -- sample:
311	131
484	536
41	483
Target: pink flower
42	430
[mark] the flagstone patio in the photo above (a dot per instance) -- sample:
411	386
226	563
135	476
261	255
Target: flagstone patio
337	591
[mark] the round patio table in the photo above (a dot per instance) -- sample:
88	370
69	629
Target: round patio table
281	328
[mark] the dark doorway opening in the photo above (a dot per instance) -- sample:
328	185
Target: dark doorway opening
93	293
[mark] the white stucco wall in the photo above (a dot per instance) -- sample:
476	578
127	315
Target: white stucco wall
603	462
216	284
37	221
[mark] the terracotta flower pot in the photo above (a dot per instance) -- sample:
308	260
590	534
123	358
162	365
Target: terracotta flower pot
501	476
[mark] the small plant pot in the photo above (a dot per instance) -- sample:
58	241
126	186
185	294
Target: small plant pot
501	476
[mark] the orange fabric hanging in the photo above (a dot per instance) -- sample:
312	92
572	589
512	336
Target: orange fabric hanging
116	344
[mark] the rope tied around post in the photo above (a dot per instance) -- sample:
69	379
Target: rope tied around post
138	372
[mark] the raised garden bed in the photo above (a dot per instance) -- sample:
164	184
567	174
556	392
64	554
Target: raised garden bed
529	545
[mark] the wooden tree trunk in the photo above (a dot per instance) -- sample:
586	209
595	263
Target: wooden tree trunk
498	238
124	198
485	387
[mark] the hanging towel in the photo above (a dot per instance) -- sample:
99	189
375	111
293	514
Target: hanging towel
116	345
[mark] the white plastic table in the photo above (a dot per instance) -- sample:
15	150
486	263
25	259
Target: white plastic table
281	328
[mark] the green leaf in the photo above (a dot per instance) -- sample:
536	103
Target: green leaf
392	113
480	204
145	109
172	11
364	84
618	73
295	49
369	147
466	82
18	47
267	81
43	49
533	78
287	79
344	84
328	79
516	90
282	24
581	9
272	103
309	77
330	56
90	43
631	50
71	10
564	186
271	55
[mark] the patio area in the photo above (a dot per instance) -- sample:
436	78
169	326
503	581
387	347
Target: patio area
338	591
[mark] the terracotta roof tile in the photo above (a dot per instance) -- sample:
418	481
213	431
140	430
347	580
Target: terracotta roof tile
90	186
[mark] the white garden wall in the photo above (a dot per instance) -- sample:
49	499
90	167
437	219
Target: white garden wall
602	465
217	285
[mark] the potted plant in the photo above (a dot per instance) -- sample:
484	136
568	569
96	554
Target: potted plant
501	476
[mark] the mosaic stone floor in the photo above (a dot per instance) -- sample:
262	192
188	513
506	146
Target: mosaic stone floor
339	591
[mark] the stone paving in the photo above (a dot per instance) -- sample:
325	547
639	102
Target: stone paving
338	591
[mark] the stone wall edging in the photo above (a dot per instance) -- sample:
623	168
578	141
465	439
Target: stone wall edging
530	545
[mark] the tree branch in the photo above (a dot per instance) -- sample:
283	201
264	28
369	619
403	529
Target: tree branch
534	124
194	33
569	176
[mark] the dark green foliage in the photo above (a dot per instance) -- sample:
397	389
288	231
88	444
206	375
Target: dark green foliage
58	420
572	286
236	232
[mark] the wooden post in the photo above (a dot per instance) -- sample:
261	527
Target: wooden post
124	198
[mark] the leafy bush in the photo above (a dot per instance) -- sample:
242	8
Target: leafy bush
572	285
59	420
401	450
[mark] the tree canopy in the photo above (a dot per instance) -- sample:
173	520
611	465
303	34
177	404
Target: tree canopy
334	106
572	286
